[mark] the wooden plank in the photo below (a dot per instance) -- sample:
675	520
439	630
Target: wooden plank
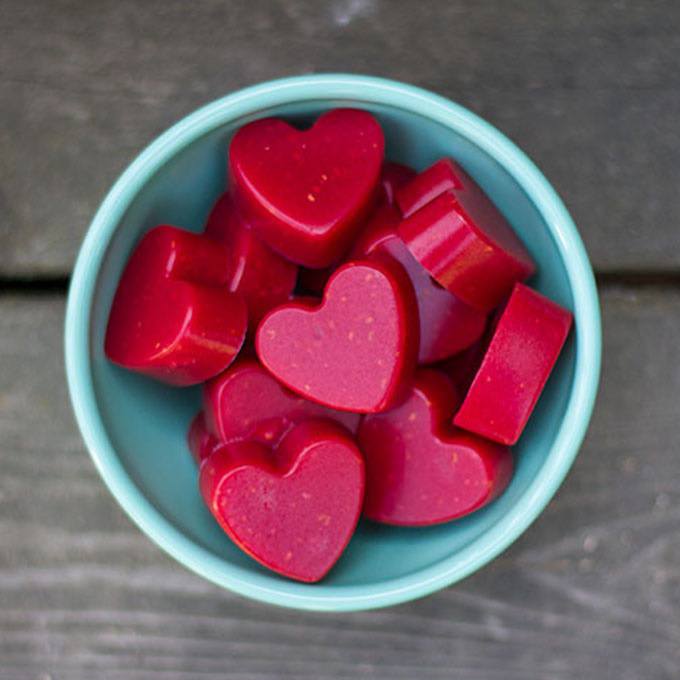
589	90
592	590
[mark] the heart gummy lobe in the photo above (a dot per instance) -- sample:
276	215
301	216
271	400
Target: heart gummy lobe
307	192
357	349
464	242
173	317
447	325
524	347
294	509
422	471
247	402
262	276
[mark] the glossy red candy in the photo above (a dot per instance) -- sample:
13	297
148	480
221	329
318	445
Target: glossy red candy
394	176
380	229
465	243
173	316
202	444
426	186
307	192
247	402
262	276
419	469
293	510
357	349
447	325
523	350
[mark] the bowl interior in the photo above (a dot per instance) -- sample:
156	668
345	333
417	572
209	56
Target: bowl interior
146	422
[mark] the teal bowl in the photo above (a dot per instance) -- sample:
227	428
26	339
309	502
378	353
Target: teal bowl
135	428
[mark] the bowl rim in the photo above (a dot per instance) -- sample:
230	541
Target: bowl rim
271	589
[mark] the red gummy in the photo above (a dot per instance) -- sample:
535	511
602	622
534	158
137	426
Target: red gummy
394	176
523	350
307	191
295	509
465	243
447	325
422	471
247	402
201	443
354	351
262	276
426	186
173	317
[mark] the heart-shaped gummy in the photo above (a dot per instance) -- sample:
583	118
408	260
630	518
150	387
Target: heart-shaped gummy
454	230
294	509
173	317
357	349
419	469
447	324
247	402
307	191
262	276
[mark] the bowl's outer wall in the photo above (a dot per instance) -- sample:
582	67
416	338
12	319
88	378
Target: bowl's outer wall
135	428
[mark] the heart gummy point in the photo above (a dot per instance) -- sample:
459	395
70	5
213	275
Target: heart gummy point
357	349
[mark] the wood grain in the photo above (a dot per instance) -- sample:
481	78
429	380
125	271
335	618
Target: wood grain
591	590
589	90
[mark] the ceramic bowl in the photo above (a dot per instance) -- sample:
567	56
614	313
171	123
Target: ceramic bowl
135	428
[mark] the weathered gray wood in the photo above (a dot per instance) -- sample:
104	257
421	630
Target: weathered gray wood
590	90
591	591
